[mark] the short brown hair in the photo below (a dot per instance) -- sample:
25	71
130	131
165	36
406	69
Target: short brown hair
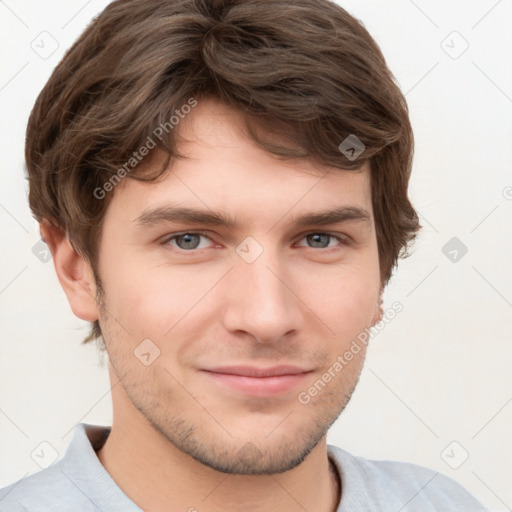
304	70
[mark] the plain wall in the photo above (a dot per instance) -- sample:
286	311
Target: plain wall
437	374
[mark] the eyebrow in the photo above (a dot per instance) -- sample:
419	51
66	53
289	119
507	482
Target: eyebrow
165	214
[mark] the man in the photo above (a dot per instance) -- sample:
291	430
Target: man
223	187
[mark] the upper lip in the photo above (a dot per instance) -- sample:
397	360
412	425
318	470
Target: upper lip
253	371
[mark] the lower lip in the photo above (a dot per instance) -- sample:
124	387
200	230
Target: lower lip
259	386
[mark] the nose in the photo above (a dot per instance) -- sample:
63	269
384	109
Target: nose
261	300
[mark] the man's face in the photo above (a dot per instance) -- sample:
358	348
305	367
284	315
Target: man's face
245	317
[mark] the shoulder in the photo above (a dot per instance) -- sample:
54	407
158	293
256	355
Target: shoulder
76	481
38	490
409	487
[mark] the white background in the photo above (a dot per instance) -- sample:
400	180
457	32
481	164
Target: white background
438	373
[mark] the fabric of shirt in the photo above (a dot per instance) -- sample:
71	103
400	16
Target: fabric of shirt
79	482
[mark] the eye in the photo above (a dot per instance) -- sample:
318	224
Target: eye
188	241
321	240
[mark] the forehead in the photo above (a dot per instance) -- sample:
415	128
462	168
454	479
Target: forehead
223	170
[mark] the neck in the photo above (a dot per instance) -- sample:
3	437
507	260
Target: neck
154	474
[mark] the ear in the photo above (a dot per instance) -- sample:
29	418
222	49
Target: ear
379	313
74	273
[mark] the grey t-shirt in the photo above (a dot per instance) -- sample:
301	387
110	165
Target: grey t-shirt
78	481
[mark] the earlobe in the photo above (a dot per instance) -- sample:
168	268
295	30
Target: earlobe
379	312
73	271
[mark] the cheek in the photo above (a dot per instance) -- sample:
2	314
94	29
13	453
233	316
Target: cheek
132	294
152	299
343	299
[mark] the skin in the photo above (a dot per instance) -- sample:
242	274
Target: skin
182	440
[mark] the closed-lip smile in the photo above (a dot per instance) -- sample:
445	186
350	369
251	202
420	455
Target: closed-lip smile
258	381
254	371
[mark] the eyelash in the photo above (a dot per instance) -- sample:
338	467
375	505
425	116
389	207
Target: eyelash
344	240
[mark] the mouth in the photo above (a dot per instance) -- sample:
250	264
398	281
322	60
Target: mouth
258	381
